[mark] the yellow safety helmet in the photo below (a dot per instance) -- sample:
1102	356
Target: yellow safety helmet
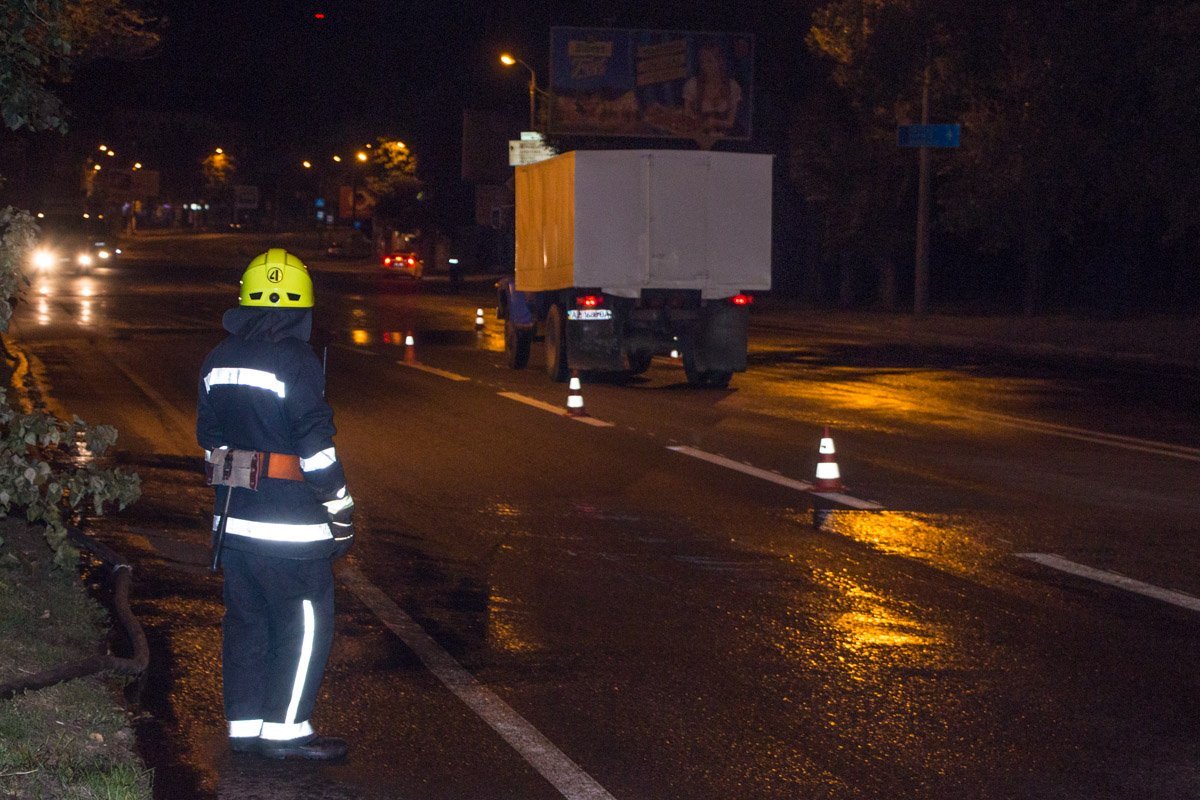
277	279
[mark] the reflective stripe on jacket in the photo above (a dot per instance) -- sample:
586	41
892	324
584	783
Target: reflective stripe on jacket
266	392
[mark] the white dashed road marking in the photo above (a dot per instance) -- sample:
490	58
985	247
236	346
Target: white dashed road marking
453	376
1190	602
774	477
553	409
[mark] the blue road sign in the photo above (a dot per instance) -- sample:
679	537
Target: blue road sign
928	135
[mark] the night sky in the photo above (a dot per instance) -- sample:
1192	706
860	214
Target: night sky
273	81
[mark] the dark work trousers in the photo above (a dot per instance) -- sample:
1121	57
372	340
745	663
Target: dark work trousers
278	628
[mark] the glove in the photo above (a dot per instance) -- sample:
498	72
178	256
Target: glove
342	526
343	540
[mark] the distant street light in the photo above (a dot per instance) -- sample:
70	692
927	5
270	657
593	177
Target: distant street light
96	167
306	164
137	165
103	147
338	159
219	151
112	153
361	156
508	60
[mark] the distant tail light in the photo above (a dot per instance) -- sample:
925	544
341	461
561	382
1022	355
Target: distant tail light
589	300
411	261
742	299
387	261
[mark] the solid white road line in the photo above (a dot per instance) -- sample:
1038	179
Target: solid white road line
453	376
553	409
774	477
1171	596
551	763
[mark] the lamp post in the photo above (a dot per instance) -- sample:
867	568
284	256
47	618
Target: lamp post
508	60
361	157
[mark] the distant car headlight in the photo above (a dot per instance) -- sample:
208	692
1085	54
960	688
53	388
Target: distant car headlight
118	251
104	255
84	259
44	258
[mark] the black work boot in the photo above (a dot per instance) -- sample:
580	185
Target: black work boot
312	748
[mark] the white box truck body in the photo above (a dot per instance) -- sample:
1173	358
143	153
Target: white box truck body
626	254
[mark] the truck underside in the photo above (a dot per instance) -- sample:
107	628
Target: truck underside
588	330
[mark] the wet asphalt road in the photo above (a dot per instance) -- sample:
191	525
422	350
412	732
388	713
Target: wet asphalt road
672	627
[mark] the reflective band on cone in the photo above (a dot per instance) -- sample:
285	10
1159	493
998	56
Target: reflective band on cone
829	477
479	319
410	350
575	398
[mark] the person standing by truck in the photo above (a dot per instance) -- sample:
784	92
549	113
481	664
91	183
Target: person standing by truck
283	512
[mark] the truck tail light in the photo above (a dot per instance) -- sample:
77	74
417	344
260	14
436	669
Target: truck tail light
387	261
741	299
589	300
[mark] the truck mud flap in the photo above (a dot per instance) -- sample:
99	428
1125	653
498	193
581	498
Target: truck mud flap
720	337
594	344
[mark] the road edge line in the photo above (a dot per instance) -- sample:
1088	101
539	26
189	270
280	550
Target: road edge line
539	752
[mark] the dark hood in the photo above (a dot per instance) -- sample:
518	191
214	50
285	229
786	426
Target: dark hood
269	324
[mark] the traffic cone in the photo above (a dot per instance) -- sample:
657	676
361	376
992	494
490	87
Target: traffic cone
410	349
479	319
829	477
575	397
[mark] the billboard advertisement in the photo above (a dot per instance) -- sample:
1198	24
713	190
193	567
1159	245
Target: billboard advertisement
615	82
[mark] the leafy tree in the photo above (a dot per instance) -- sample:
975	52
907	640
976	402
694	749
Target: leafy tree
392	181
1061	104
48	467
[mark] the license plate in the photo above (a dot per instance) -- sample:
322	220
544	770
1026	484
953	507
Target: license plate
589	314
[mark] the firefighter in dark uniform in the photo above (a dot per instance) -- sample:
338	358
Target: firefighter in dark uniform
261	395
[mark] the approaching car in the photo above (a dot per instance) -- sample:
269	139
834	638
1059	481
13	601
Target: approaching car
405	262
72	242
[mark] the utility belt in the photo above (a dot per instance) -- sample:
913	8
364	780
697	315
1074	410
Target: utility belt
244	468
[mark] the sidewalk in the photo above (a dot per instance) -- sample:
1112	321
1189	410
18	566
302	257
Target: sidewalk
1161	340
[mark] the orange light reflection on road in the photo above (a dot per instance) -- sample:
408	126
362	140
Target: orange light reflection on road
946	541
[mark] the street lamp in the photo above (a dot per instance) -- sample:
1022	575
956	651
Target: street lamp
508	60
362	159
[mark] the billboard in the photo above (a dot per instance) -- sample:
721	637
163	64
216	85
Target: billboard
615	82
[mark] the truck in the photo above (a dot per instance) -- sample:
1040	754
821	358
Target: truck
624	255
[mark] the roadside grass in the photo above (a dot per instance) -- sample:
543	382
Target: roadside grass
71	741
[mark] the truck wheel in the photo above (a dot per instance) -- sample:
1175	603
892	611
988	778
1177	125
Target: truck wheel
639	362
516	344
710	378
717	378
556	344
695	377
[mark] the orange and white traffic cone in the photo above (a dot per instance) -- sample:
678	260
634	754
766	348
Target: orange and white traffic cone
410	349
479	319
829	477
575	397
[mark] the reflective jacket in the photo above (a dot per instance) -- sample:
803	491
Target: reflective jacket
263	388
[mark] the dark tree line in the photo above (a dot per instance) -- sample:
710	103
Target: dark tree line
1075	185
